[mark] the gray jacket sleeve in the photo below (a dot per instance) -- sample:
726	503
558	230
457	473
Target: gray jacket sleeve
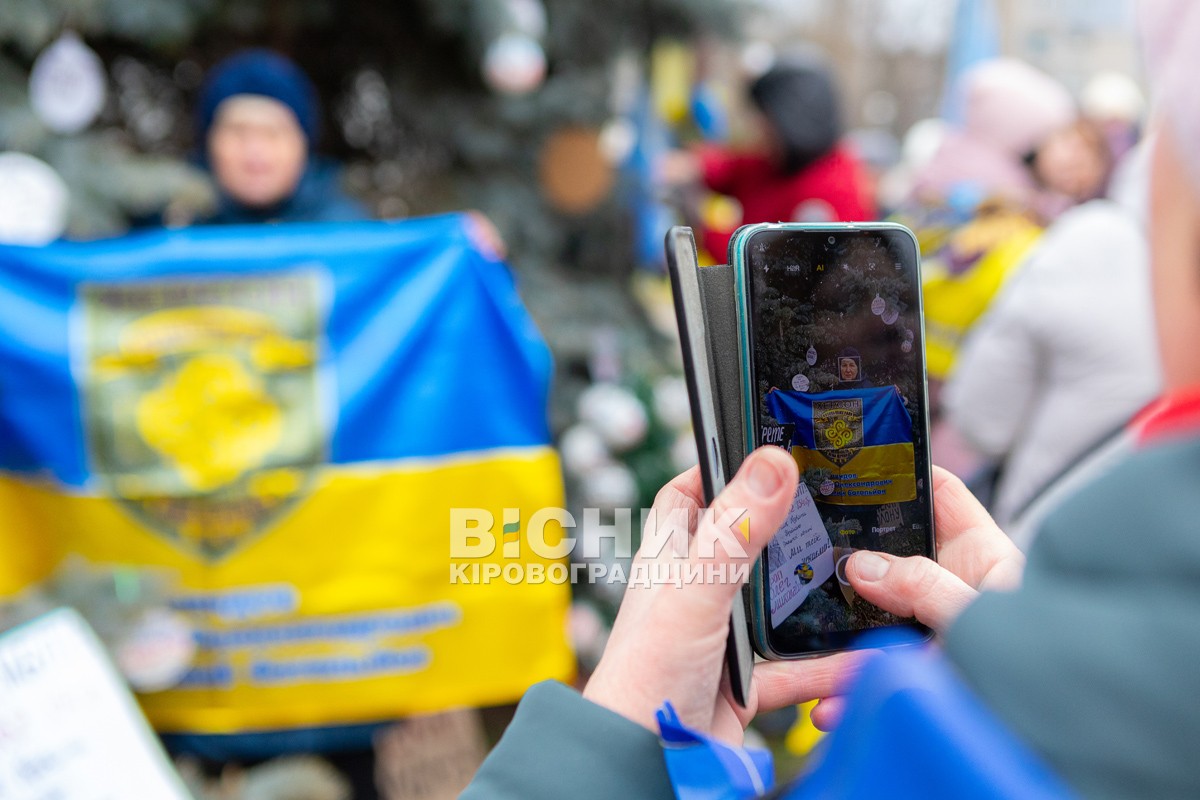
1093	661
560	745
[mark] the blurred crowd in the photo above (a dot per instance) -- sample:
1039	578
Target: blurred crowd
1029	210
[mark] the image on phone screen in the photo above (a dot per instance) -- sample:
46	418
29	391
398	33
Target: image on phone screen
838	379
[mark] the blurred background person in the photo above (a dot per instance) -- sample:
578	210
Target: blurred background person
1009	110
798	169
1071	166
1065	355
974	207
258	123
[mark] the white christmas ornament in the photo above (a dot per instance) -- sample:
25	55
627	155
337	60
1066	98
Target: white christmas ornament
906	346
811	356
582	449
158	652
618	137
923	141
878	306
800	383
890	316
615	413
671	402
683	452
827	487
33	201
67	85
757	58
610	486
514	64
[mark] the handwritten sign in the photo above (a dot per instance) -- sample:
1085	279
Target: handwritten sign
801	557
778	435
69	728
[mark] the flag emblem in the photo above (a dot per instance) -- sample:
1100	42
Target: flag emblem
201	402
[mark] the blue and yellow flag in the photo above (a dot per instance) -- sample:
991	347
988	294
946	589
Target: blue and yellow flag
859	439
283	417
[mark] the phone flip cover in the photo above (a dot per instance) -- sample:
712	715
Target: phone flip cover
720	317
719	309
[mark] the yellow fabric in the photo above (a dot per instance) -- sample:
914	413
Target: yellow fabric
804	735
954	302
672	68
368	541
880	474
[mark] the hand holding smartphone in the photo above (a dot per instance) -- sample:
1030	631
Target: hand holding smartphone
832	349
824	327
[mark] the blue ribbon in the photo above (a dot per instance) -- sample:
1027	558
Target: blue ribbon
702	768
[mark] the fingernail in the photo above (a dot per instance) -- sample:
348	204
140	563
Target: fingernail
870	566
764	479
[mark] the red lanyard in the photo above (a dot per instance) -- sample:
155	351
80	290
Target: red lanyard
1172	416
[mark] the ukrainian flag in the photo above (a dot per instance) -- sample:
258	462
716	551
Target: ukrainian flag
858	440
282	418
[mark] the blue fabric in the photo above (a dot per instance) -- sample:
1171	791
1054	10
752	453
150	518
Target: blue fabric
976	38
411	302
709	114
265	73
703	768
651	216
884	418
912	729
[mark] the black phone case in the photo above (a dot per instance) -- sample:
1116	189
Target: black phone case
719	299
720	316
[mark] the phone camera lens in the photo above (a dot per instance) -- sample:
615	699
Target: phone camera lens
831	240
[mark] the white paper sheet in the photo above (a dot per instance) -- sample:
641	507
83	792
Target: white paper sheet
69	727
800	556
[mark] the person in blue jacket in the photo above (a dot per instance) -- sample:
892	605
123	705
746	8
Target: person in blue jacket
258	121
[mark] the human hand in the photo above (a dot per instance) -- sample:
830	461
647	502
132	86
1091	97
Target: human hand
668	642
973	554
486	236
678	168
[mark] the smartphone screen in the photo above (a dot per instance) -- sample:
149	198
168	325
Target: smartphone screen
837	375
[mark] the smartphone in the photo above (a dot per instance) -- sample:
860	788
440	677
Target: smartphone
831	335
683	267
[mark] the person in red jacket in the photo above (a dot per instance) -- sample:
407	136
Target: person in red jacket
799	171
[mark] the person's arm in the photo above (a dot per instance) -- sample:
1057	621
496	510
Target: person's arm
560	745
668	644
719	168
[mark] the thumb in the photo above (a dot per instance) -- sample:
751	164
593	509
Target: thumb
743	518
910	587
756	501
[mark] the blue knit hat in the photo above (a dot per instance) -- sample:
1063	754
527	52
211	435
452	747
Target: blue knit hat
260	72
